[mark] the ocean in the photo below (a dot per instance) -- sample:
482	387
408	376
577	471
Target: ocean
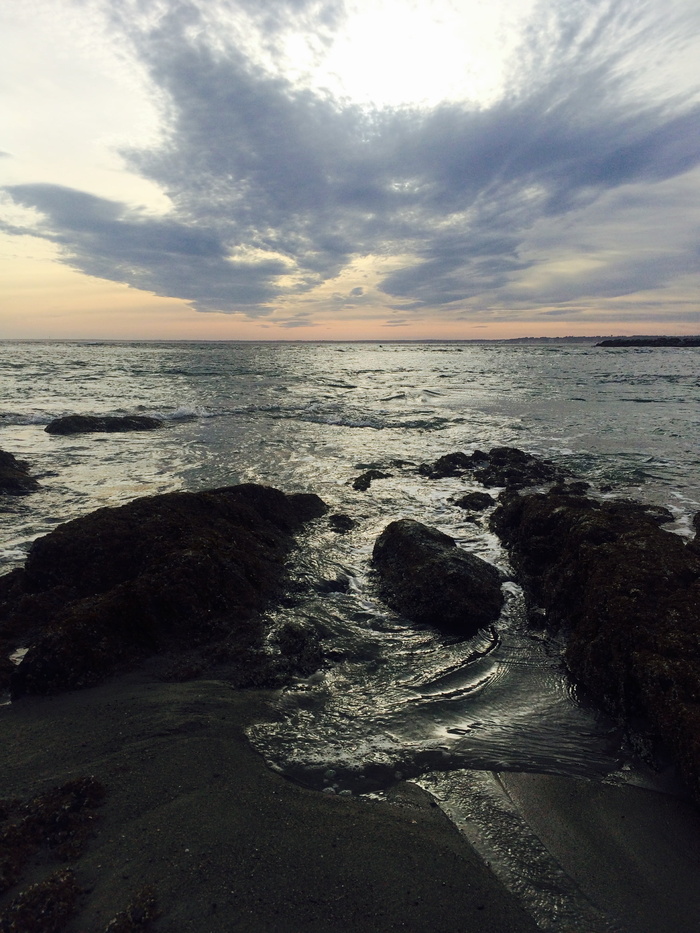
393	700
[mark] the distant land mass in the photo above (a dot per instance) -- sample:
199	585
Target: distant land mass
569	339
650	342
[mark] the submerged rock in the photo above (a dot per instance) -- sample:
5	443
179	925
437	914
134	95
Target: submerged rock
364	481
162	573
340	523
627	594
426	577
109	424
475	501
15	479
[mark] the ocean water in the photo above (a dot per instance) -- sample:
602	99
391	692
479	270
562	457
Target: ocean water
393	700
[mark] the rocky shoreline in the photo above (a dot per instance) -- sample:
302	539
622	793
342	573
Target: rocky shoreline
162	599
185	577
161	575
625	593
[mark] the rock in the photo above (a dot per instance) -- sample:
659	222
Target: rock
161	573
340	523
501	466
515	469
300	648
427	578
694	543
110	424
365	481
337	584
14	476
475	501
578	488
626	594
621	508
455	464
7	669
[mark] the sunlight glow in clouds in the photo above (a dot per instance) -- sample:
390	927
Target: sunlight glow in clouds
396	52
324	168
70	100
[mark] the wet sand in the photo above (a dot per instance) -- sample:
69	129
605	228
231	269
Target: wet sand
192	812
633	852
225	843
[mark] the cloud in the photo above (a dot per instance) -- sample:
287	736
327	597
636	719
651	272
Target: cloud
276	189
169	257
295	322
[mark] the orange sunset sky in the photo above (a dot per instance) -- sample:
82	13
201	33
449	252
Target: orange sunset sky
319	170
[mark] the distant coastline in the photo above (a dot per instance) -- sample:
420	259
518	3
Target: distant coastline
598	340
650	342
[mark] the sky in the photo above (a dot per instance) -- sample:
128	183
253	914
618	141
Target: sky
369	169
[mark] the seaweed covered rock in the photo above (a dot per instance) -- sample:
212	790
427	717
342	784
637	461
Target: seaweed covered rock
15	479
501	466
515	469
363	482
454	464
106	424
163	572
626	593
426	577
475	501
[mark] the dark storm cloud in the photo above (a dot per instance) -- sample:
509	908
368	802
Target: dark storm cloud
257	168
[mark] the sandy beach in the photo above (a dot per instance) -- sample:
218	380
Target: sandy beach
161	815
225	844
633	852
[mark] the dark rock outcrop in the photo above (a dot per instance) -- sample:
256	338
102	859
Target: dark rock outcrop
475	501
577	488
627	594
300	648
455	464
427	578
515	469
694	545
340	523
501	466
162	573
364	481
15	479
106	424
